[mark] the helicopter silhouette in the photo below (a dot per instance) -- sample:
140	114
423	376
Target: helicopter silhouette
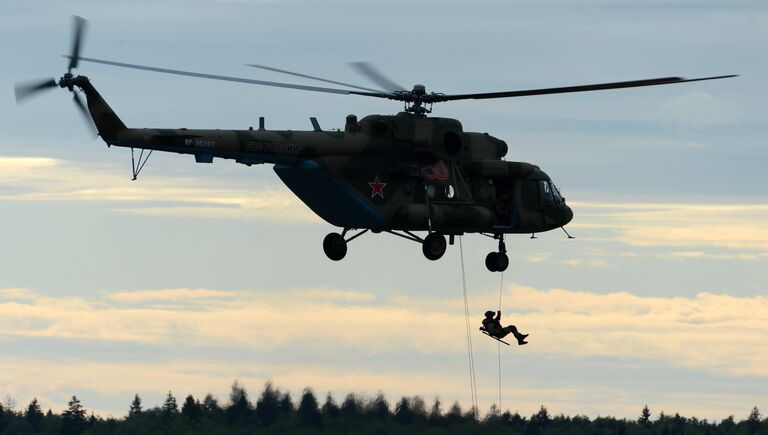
397	174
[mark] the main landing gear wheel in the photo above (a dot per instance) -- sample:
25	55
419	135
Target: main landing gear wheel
434	246
335	246
497	261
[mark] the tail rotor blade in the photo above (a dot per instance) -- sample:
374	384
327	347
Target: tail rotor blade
85	112
77	40
26	90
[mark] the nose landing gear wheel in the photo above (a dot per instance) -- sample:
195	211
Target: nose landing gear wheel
434	246
335	246
497	261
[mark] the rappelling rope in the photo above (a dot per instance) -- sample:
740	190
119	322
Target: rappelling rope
498	344
472	381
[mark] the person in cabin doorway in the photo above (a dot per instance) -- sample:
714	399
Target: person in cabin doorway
492	325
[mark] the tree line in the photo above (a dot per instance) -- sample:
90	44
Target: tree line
275	412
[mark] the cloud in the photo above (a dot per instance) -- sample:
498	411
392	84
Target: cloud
16	294
589	262
170	294
721	334
697	255
539	258
675	329
728	226
680	330
698	110
44	179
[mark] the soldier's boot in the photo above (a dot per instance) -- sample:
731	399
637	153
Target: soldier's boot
521	339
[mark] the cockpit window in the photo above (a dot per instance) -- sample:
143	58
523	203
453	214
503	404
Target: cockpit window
556	193
545	192
549	194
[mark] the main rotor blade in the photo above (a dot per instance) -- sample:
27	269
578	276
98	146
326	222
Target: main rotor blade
269	68
77	40
85	112
434	98
26	90
376	76
235	79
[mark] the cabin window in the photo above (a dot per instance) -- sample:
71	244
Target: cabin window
431	190
450	192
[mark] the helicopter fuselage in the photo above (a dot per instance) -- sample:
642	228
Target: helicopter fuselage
400	172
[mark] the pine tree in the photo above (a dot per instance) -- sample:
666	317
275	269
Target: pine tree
4	417
191	408
308	412
135	406
330	408
286	405
239	409
379	408
9	403
268	406
419	408
210	407
34	415
539	421
454	415
753	421
73	420
403	412
727	425
436	414
350	407
493	416
170	407
645	417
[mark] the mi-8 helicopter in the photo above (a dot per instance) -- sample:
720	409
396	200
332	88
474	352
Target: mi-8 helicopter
399	174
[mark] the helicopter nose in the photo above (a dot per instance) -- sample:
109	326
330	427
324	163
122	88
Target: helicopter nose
567	215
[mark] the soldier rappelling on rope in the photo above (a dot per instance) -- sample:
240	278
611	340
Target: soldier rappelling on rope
492	326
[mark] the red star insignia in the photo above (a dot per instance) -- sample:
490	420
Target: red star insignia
378	188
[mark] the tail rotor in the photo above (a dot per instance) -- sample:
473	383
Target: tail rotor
26	90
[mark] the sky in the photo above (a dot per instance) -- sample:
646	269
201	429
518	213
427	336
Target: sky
197	275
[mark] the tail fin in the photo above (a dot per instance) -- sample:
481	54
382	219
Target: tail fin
106	120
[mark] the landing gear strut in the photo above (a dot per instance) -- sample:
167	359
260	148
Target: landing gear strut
498	261
433	245
335	245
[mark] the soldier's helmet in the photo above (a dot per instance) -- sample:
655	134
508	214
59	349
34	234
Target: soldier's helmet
489	313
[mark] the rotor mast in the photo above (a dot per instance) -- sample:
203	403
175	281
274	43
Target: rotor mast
416	99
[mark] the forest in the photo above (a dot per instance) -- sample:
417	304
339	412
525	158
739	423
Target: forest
276	412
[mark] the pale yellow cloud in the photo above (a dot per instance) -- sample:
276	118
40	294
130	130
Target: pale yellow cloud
181	294
539	258
682	331
588	262
18	168
348	295
16	294
724	226
696	255
44	179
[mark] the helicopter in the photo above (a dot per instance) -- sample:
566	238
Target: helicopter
397	174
